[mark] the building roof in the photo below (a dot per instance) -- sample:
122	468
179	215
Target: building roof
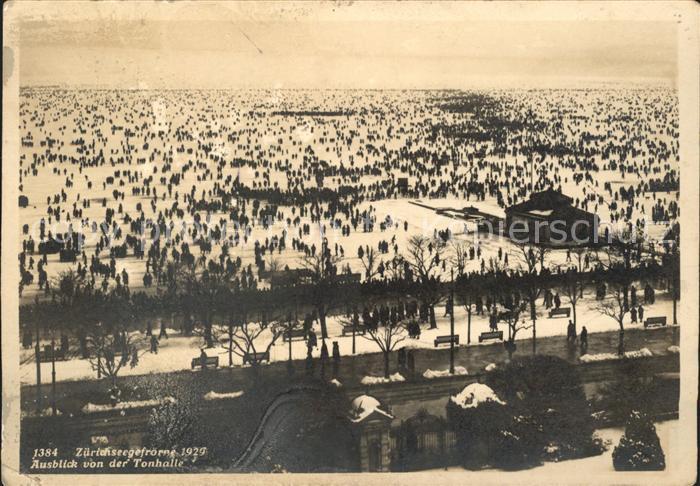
542	201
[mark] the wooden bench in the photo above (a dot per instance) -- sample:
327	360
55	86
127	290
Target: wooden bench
255	357
655	321
45	356
485	336
560	312
358	330
505	316
446	340
294	334
210	361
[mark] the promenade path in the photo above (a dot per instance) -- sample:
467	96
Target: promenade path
71	395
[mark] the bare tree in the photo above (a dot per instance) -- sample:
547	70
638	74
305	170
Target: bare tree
323	267
368	258
387	335
532	257
615	306
464	292
424	258
396	268
202	292
514	309
111	350
460	256
572	288
249	337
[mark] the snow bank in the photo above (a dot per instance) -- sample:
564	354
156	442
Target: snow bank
490	367
417	344
336	383
475	394
674	349
92	408
430	374
47	412
364	406
212	395
591	358
375	380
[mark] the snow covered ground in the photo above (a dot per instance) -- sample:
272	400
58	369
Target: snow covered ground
176	352
590	469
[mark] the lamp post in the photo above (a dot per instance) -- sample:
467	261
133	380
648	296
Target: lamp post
53	374
38	360
452	323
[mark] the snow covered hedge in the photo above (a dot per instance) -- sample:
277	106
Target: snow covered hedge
639	353
92	408
212	395
474	395
674	349
376	380
430	374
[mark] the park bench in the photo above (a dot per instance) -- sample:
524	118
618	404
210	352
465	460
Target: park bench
485	336
505	316
655	321
210	361
255	357
358	330
45	355
294	334
446	340
560	312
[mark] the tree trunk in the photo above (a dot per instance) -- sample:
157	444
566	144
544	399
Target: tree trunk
469	324
431	310
208	339
38	369
230	344
322	320
533	316
675	301
621	342
386	364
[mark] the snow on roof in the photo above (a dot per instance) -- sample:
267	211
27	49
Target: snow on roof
541	212
474	394
364	406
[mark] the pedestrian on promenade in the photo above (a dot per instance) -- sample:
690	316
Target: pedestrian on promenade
311	342
203	359
640	313
336	358
583	338
633	314
324	358
154	344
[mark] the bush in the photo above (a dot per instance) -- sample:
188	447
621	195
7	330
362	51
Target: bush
475	430
519	445
489	431
639	448
548	393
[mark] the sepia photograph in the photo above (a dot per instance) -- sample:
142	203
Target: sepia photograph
318	239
